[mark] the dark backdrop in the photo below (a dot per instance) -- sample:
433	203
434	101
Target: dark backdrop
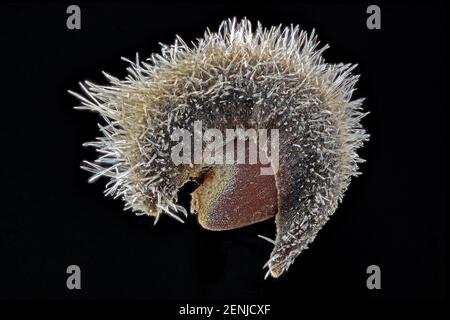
392	216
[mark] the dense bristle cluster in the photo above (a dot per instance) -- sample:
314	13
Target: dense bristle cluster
236	77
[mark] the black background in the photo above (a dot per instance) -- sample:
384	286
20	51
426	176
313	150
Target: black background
392	216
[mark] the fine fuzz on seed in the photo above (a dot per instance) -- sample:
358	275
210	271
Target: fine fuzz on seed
236	77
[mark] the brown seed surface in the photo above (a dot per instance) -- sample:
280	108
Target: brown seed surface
234	197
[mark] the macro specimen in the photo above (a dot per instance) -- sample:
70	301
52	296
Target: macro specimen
237	77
